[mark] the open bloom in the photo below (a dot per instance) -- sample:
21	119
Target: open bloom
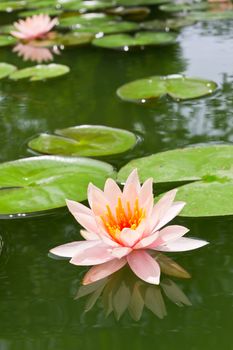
35	27
123	227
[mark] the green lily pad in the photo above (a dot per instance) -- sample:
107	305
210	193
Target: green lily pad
109	27
40	72
46	11
68	39
85	140
168	24
10	6
140	2
6	69
87	19
207	198
89	5
184	7
6	29
176	86
42	183
7	40
40	4
140	39
209	169
132	13
211	16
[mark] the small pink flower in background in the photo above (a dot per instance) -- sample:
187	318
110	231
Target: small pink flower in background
123	227
35	27
32	53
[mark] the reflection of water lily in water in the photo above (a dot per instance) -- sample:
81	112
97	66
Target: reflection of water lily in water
124	291
33	53
35	27
125	227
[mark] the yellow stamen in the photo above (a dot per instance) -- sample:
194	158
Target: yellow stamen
115	223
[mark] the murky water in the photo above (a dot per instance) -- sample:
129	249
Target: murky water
37	305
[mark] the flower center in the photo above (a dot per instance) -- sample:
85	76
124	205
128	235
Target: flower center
123	218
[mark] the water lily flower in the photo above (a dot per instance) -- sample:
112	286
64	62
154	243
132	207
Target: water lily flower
35	27
123	227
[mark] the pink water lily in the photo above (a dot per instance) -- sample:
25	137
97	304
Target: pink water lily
123	227
35	27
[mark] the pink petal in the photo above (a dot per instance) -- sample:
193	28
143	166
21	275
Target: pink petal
172	212
97	200
129	237
120	252
89	236
182	244
112	192
144	266
70	249
147	241
169	233
146	192
87	222
132	187
93	255
101	271
75	207
161	207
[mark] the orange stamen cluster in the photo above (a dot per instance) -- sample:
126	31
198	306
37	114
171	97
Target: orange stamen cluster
123	218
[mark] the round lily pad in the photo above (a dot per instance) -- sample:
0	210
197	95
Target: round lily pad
7	40
41	183
211	16
207	170
140	2
40	72
88	5
132	13
86	19
109	27
140	39
176	86
10	6
46	11
204	199
85	140
6	69
168	24
184	7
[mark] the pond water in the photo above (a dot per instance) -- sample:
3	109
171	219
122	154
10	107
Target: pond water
37	305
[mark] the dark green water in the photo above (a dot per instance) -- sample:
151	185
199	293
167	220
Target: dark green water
37	306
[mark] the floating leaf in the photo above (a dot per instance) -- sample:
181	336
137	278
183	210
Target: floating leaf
207	198
6	29
87	19
46	11
140	39
87	5
176	86
40	72
110	27
133	13
211	167
168	24
7	40
184	7
10	6
41	183
85	140
140	2
211	16
6	69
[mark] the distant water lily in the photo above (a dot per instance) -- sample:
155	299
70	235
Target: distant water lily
123	227
35	27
